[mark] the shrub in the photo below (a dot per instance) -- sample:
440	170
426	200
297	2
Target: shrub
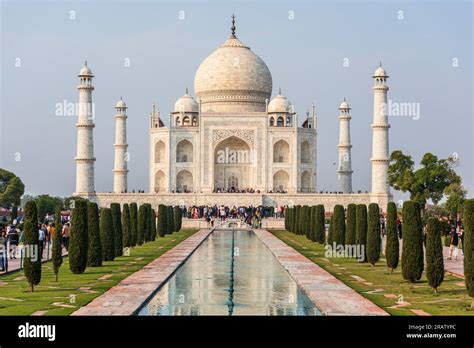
78	242
434	254
57	252
312	225
469	247
374	241
320	227
126	226
351	225
178	216
94	252
412	254
361	229
339	225
153	224
162	215
170	219
307	221
392	247
117	223
31	265
107	235
297	219
331	238
133	224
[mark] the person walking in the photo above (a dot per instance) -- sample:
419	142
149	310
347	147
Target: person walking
13	238
3	251
41	239
461	237
66	234
453	248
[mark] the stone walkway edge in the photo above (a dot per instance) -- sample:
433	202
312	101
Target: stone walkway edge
331	296
128	296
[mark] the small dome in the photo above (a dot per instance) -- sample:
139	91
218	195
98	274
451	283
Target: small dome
279	103
120	104
186	104
380	72
85	71
344	105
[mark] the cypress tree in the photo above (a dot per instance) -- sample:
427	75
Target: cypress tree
392	247
306	221
153	224
133	224
412	254
286	221
434	254
57	252
148	229
142	222
94	252
177	218
351	225
373	234
118	233
320	228
170	219
126	226
361	229
78	242
162	214
312	234
339	225
32	264
469	247
107	234
296	223
331	239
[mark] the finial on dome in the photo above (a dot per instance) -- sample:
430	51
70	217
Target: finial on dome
232	28
279	90
186	90
380	64
85	64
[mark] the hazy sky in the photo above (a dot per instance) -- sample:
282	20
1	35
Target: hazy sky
426	47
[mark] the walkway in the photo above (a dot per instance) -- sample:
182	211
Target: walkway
128	296
331	296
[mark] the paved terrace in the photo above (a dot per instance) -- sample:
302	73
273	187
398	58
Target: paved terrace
127	297
331	296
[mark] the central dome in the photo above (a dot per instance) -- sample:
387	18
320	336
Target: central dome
233	79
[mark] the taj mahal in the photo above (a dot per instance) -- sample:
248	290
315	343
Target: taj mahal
233	143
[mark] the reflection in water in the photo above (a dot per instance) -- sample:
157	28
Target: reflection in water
204	286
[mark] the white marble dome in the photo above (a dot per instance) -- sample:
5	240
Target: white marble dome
279	103
120	104
85	71
344	105
186	104
380	72
233	78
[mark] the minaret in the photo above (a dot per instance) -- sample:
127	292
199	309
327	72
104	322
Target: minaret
345	166
120	167
380	126
85	142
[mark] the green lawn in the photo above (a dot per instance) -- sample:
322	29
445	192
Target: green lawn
55	297
383	288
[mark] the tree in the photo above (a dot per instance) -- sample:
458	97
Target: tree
361	229
32	262
392	247
331	238
47	205
320	226
153	224
412	254
456	194
296	227
427	182
126	226
133	224
469	247
162	215
351	224
11	189
141	224
117	223
339	225
107	234
148	232
57	252
312	225
94	252
286	221
307	221
434	254
301	221
170	220
178	216
78	242
374	241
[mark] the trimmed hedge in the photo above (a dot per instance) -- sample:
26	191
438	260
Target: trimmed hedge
133	224
126	226
374	241
107	234
320	226
469	247
117	223
351	225
57	252
162	214
361	229
434	254
412	254
94	252
142	223
32	265
178	218
78	242
392	247
339	225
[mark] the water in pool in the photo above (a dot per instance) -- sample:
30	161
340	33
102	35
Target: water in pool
231	273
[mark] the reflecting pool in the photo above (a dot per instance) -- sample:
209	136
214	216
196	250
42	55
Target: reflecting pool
231	273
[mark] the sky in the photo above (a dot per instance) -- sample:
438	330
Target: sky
319	51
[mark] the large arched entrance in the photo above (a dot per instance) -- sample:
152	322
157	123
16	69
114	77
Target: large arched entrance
280	181
232	165
184	181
